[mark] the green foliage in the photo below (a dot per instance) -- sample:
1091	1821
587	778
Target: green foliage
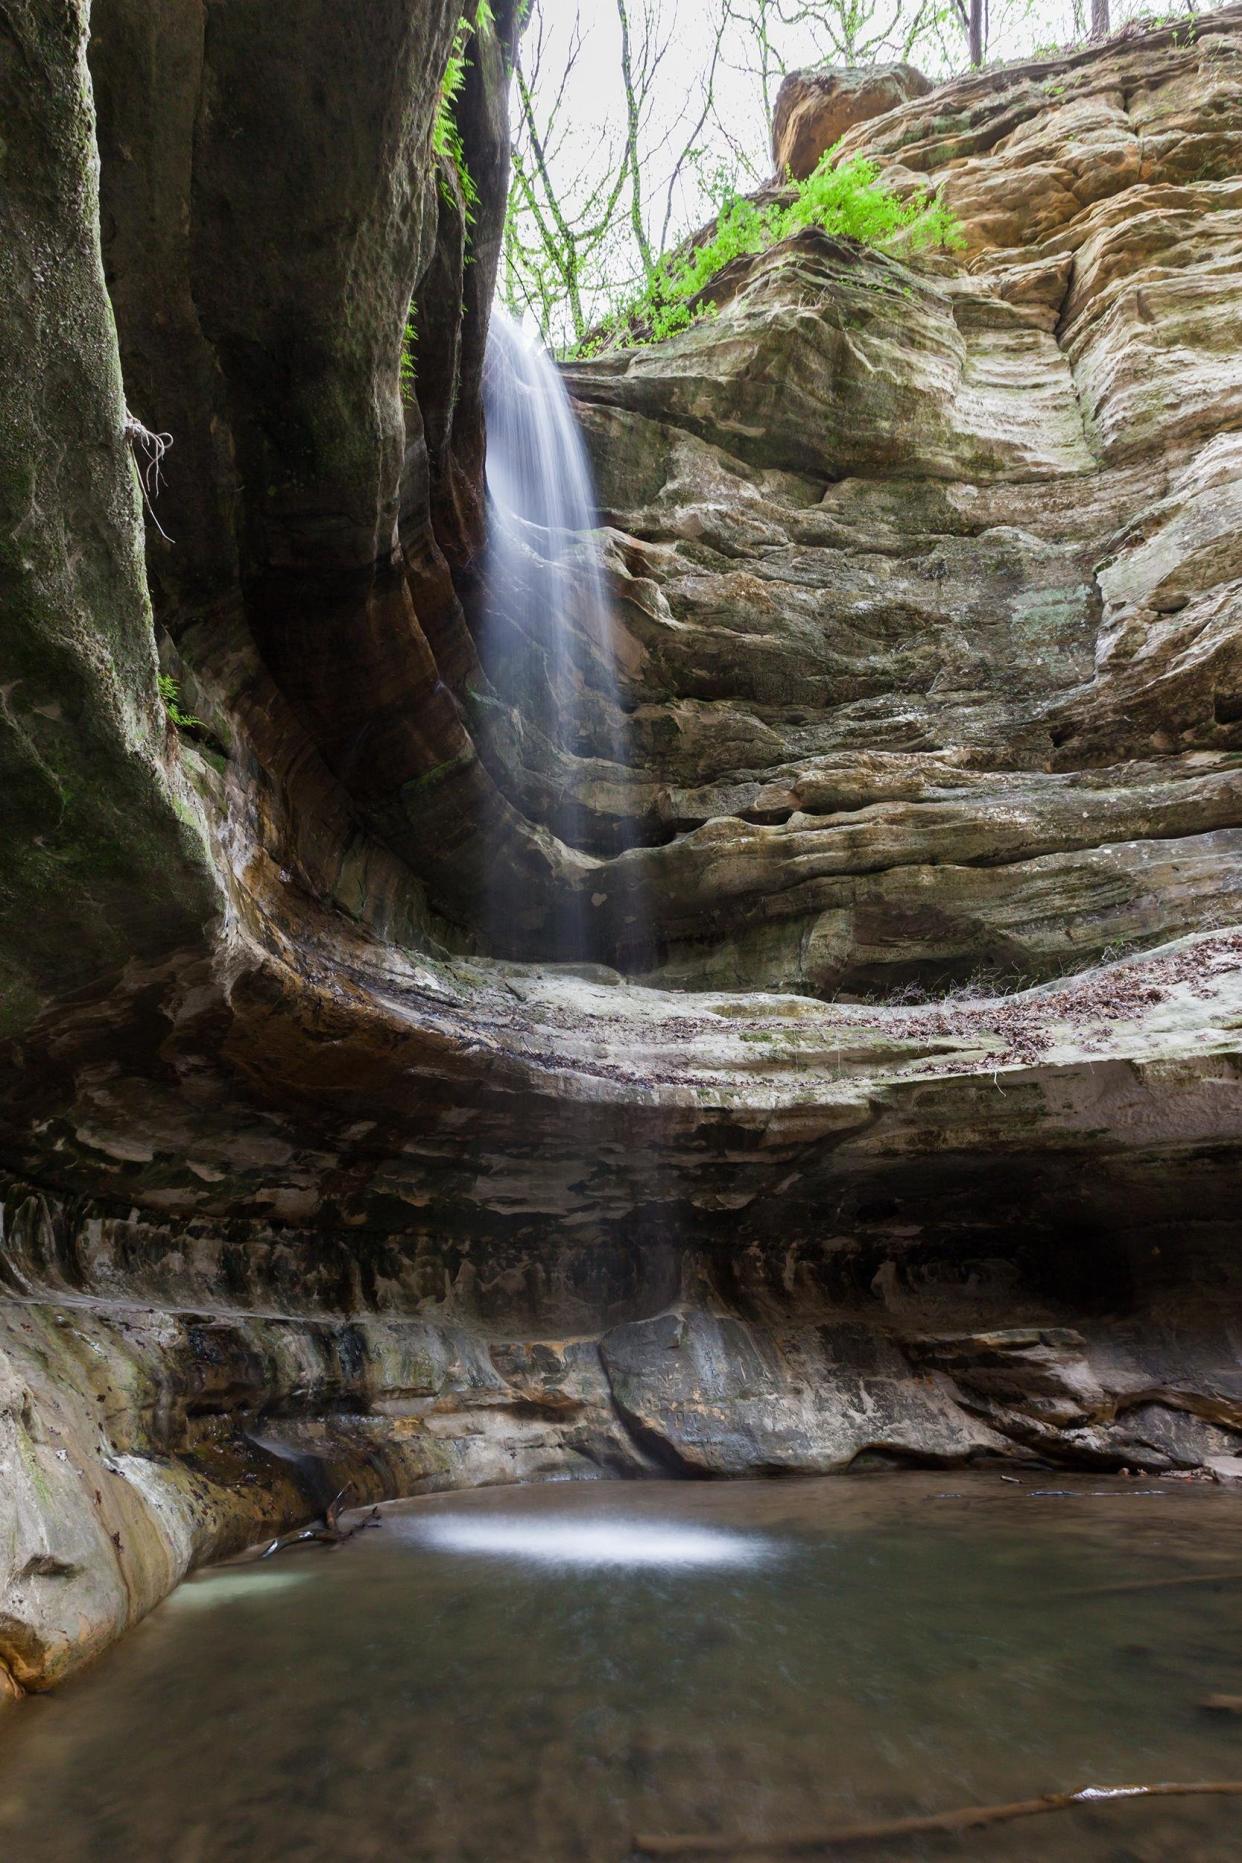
170	692
852	201
446	142
409	343
847	201
445	135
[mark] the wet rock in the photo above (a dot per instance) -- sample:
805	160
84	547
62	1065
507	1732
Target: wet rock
106	855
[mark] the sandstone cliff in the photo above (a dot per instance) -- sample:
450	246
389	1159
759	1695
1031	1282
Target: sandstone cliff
908	1122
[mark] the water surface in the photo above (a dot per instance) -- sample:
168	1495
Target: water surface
535	1674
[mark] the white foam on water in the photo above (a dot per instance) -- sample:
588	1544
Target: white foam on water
209	1589
589	1543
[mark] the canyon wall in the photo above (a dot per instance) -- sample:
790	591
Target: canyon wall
903	1119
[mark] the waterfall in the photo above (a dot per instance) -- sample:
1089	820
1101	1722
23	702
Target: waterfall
547	636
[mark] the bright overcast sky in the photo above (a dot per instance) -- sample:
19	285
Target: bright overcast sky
1017	27
688	27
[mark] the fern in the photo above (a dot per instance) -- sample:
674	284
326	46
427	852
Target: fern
170	692
849	201
409	343
445	135
853	201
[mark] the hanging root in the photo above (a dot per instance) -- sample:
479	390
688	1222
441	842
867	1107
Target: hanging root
149	450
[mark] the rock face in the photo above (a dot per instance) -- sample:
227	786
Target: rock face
814	109
98	811
905	1119
928	561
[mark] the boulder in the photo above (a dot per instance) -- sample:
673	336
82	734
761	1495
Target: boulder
815	108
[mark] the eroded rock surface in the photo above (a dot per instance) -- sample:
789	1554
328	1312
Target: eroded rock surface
815	108
904	551
905	1118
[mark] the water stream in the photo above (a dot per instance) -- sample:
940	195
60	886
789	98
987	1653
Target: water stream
535	1674
547	636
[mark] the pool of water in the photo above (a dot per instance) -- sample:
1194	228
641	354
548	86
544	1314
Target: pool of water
531	1675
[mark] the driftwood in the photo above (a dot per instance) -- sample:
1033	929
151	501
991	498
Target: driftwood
1222	1704
968	1818
1155	1584
328	1531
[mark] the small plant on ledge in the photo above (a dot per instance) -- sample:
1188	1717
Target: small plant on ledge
849	200
445	134
170	692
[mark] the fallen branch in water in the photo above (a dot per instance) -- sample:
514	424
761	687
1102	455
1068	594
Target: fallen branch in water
1155	1584
969	1818
329	1531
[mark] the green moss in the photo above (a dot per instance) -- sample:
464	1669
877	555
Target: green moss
439	773
20	1002
30	1461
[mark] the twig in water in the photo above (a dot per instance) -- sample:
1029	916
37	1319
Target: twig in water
1155	1584
968	1818
330	1533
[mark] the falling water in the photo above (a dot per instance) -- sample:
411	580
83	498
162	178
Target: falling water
547	623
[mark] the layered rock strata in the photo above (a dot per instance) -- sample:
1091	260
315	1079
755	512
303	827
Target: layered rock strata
814	109
905	1120
933	575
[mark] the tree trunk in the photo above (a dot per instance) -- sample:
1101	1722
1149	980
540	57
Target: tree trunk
1099	19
